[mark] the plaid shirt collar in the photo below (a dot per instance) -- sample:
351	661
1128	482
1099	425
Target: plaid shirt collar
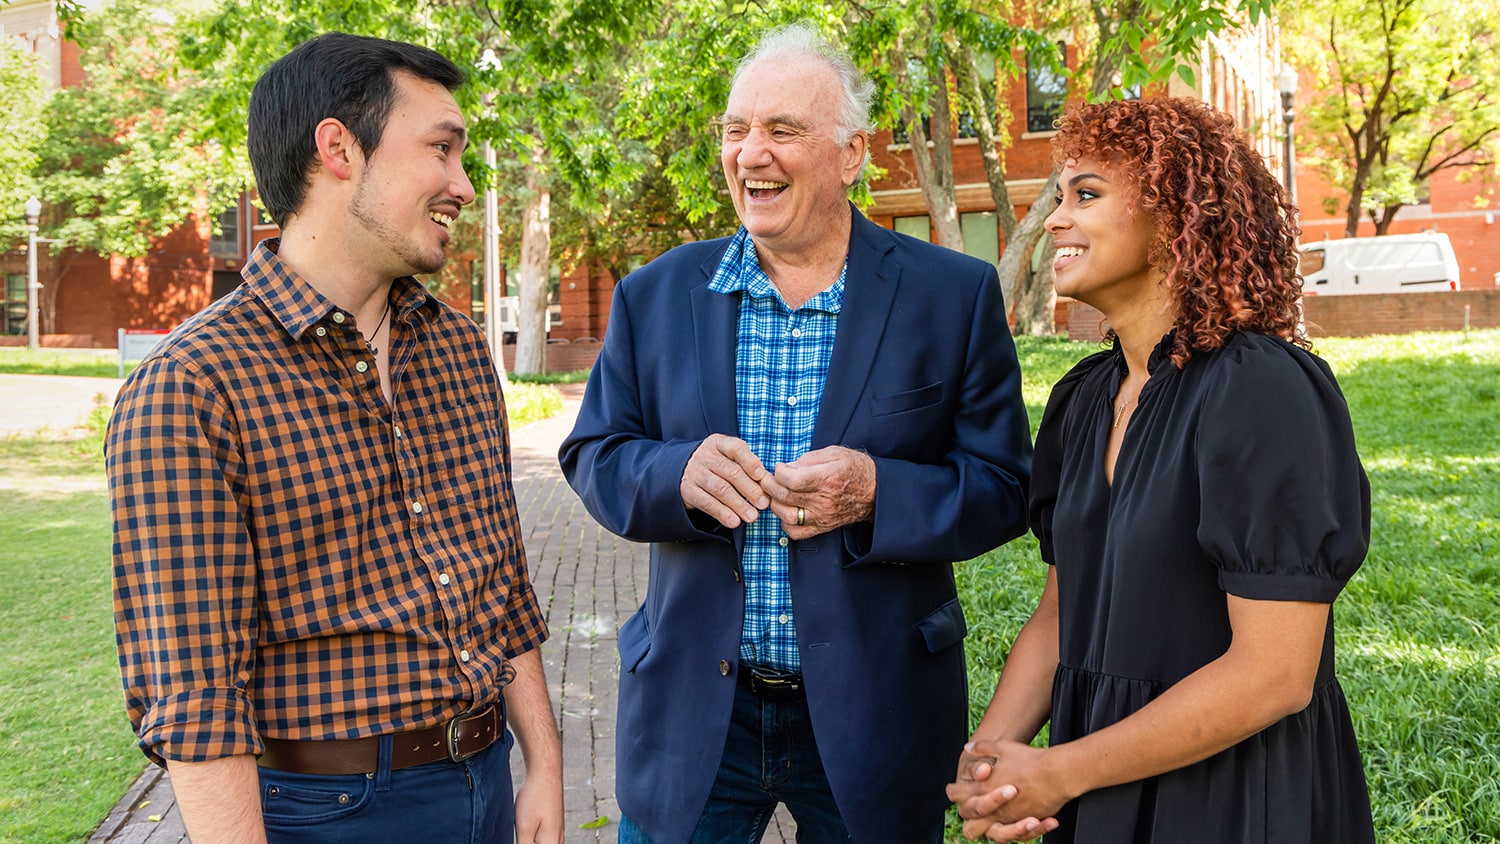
739	270
298	306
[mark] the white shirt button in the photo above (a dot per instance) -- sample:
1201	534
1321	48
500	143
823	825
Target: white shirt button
782	618
416	507
362	366
463	655
443	578
321	331
791	401
338	317
796	332
398	432
782	541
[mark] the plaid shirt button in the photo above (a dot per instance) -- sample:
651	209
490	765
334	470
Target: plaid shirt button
779	384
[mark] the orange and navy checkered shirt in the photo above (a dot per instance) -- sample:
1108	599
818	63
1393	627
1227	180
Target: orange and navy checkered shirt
296	558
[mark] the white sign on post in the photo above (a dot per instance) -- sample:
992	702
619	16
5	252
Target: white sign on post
136	343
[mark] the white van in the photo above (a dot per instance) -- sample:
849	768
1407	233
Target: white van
1394	263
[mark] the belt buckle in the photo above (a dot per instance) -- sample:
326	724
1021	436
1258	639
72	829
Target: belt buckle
454	753
776	678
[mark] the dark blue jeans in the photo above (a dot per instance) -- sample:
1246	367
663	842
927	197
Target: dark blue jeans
457	803
770	757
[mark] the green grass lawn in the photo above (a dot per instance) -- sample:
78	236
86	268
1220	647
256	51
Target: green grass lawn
1419	625
67	753
99	363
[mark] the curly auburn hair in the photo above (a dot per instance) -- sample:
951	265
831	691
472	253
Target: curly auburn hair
1226	234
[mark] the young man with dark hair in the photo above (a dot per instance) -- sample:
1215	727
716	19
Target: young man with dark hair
325	623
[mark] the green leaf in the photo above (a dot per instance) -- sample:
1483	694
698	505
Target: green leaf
597	823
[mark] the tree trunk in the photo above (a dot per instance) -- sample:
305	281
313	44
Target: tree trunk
1016	277
936	184
1038	301
1356	198
966	76
1387	216
934	167
536	252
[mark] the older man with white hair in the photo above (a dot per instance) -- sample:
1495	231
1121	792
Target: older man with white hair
809	422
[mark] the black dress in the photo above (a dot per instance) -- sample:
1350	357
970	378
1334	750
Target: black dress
1237	475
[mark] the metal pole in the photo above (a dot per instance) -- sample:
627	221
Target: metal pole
33	335
1288	115
492	261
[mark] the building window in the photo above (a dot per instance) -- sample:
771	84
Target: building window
981	235
225	243
13	321
1046	87
919	227
900	136
261	217
966	129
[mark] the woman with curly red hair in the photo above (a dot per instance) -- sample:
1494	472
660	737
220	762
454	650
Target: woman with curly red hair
1198	497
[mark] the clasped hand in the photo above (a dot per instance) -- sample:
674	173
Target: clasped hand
832	487
1002	792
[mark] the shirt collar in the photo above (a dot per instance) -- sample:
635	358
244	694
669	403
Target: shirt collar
297	305
740	270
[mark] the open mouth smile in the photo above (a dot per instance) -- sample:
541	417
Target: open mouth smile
763	189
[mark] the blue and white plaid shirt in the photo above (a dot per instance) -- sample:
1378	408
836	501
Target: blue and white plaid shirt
780	367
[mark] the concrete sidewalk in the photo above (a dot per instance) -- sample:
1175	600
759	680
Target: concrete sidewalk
588	582
33	403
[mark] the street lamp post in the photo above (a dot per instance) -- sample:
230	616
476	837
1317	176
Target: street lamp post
33	214
492	328
1286	84
492	260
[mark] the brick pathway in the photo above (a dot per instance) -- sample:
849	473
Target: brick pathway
588	581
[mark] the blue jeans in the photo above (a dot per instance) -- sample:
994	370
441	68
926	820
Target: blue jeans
770	757
456	803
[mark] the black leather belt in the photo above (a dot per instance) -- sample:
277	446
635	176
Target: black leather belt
772	684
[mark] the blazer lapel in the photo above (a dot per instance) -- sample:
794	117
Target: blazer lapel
869	291
715	326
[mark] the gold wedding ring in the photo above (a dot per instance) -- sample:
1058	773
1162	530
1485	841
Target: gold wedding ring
801	517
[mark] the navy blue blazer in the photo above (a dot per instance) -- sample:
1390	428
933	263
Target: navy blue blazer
924	378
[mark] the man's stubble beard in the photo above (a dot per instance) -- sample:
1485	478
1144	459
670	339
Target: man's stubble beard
403	246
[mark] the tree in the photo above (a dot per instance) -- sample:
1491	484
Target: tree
550	60
1411	88
122	158
21	103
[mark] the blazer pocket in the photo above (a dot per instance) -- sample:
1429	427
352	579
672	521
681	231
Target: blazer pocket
944	627
907	400
634	642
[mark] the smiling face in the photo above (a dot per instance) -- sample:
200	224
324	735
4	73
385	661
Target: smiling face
787	175
414	184
1103	237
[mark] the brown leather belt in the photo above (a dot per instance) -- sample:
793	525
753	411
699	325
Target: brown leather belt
454	741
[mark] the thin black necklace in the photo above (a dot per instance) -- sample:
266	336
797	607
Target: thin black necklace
370	341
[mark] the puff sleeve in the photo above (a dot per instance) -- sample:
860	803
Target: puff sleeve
1285	504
